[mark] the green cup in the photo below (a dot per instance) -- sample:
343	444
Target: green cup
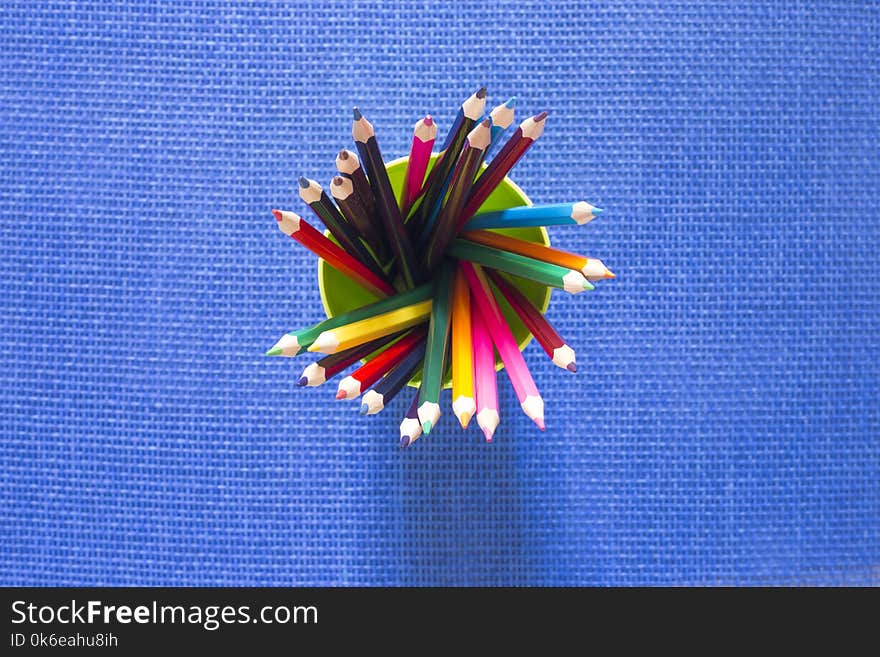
339	294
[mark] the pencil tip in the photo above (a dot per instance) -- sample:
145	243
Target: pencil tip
426	427
540	422
510	103
588	285
341	394
537	118
572	367
357	114
302	381
343	154
482	92
488	433
365	409
303	182
337	180
610	274
275	351
277	214
596	211
487	122
429	119
405	441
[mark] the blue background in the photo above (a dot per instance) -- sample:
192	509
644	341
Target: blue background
723	428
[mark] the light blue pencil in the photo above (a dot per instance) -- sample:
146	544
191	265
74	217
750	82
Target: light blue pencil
555	214
502	119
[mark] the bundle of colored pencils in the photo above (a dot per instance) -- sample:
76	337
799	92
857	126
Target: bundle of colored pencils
438	268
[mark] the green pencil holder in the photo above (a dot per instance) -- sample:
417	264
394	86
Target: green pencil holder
339	294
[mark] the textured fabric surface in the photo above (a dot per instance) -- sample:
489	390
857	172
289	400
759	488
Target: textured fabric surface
724	427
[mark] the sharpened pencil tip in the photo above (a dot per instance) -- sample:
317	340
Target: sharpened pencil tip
488	433
588	285
337	180
405	441
540	422
277	214
596	211
429	120
610	274
303	182
357	114
572	367
426	427
341	394
510	103
365	408
343	154
482	92
275	351
537	118
302	381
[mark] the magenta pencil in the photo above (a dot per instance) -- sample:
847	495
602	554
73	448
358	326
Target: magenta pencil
514	364
485	384
424	135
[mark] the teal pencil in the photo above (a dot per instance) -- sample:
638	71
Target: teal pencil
555	214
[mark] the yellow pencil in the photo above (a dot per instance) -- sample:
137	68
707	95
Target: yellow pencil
593	269
356	333
463	404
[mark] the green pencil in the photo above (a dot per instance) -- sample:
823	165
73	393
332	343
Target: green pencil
542	272
435	353
294	342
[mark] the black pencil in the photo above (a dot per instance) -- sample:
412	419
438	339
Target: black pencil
349	166
386	205
313	194
353	210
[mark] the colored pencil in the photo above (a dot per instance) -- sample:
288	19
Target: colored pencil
293	342
445	227
386	205
526	391
593	269
351	335
502	118
375	368
463	404
356	214
321	370
515	147
570	280
527	216
485	383
292	225
435	351
551	342
432	193
424	134
410	427
349	166
311	192
380	395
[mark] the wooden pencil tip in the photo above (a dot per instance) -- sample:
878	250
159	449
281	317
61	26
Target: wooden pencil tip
341	394
303	380
277	214
572	367
405	441
429	120
482	92
540	422
610	274
303	182
357	114
537	118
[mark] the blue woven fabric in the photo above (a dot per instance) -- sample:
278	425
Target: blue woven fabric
724	427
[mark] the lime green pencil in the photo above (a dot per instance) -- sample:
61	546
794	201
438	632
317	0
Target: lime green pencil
542	272
294	342
435	353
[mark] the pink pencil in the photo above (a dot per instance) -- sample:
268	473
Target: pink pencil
424	134
514	364
485	386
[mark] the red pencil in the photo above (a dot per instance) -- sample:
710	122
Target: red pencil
292	225
366	375
525	135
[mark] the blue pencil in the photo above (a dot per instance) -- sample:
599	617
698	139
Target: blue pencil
381	394
555	214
